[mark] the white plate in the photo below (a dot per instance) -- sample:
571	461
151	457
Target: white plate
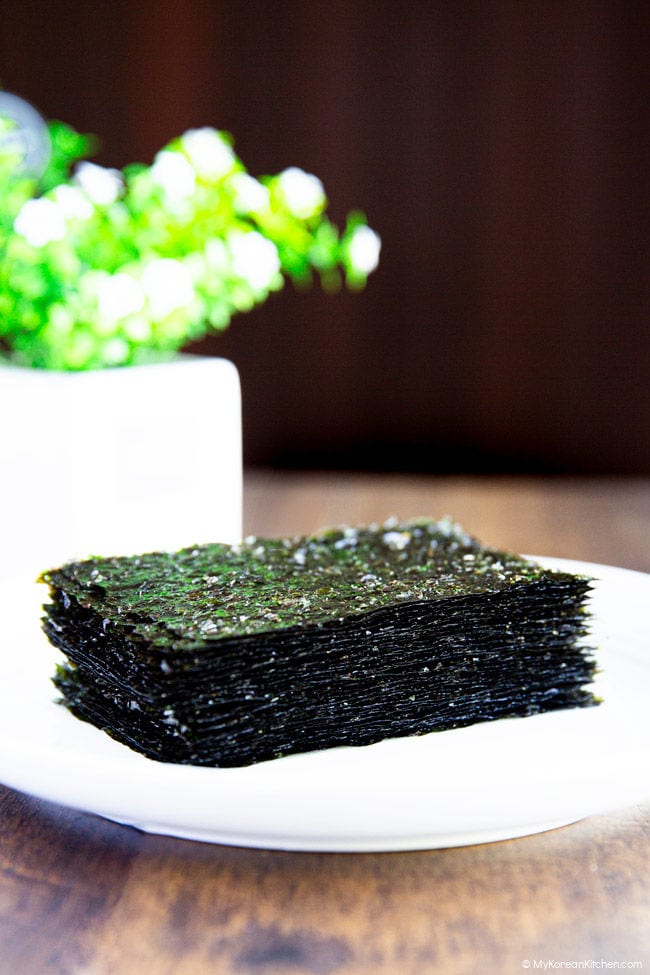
487	782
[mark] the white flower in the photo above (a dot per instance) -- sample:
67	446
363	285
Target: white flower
118	295
209	153
364	248
168	285
173	172
254	258
251	196
115	351
137	328
40	222
216	256
101	185
303	194
72	202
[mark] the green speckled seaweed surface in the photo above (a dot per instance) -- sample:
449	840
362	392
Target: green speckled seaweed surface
227	655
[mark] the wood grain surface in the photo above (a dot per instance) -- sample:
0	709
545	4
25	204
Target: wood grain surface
82	896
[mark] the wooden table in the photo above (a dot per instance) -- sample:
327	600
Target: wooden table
81	896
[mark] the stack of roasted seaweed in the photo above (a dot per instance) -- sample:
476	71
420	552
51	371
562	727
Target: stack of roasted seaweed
227	655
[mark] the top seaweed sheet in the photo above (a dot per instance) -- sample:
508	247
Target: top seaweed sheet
215	591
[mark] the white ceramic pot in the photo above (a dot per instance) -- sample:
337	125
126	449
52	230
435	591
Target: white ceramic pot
118	461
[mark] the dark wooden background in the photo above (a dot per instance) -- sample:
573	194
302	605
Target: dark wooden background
499	148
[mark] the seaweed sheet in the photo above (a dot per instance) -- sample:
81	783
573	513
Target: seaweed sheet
227	655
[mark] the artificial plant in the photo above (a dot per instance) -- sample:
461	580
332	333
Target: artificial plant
104	267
